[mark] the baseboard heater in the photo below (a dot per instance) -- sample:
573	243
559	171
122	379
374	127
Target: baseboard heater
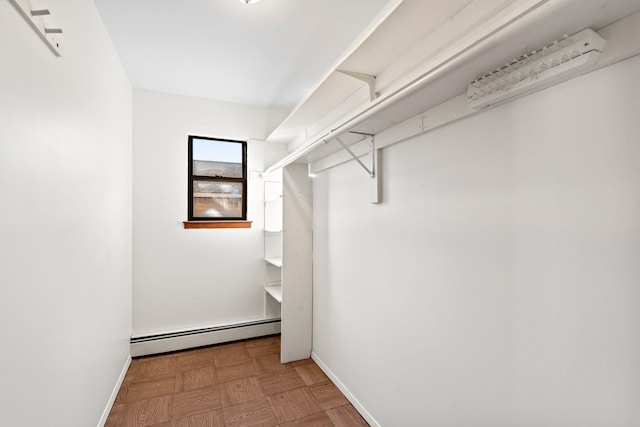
181	340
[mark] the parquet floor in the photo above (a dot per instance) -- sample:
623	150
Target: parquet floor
236	385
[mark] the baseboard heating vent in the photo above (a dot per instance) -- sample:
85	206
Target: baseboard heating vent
145	345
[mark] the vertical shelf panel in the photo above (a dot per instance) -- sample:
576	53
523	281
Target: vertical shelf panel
273	243
273	204
296	307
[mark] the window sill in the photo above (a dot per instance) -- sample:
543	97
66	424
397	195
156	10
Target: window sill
217	224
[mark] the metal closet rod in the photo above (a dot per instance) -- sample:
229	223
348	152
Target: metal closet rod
388	99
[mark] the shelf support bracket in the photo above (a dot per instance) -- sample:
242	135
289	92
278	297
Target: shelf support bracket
36	20
367	78
373	171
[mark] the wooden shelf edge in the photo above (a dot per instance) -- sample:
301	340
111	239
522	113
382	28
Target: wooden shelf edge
217	224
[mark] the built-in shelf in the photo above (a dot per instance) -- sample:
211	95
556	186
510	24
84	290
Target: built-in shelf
275	291
274	261
430	62
287	193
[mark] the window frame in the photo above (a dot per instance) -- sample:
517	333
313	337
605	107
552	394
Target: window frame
191	178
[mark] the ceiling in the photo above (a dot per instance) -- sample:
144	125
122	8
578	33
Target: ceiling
271	53
291	54
509	37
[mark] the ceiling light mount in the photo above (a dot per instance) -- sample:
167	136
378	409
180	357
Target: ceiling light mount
249	1
539	69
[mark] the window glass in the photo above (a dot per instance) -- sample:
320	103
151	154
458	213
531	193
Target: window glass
212	199
217	179
217	158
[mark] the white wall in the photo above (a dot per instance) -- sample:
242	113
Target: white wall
192	278
65	220
498	284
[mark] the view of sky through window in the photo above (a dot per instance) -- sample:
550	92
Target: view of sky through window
219	151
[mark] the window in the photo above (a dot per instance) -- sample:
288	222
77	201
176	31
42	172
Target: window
217	179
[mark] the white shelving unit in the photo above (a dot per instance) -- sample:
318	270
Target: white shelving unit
288	257
275	291
277	262
273	243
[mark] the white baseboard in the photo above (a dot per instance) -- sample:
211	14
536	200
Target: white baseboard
114	393
185	339
350	397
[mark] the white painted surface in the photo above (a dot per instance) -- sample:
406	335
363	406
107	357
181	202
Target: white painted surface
65	220
275	291
227	334
297	259
186	279
345	391
40	24
512	242
277	262
267	54
114	393
623	42
477	39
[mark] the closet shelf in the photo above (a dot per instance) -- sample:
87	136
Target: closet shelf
274	261
275	292
272	231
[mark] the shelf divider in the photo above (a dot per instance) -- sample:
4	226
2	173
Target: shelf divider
275	291
277	261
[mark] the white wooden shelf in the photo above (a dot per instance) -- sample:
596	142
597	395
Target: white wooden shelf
274	261
272	231
275	291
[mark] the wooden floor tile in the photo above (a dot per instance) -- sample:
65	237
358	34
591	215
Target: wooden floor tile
132	372
346	416
311	374
148	412
149	387
153	367
261	342
240	391
280	381
237	370
255	413
299	363
231	353
122	393
195	359
327	395
293	405
264	349
317	420
115	416
269	363
238	384
195	402
197	378
208	419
